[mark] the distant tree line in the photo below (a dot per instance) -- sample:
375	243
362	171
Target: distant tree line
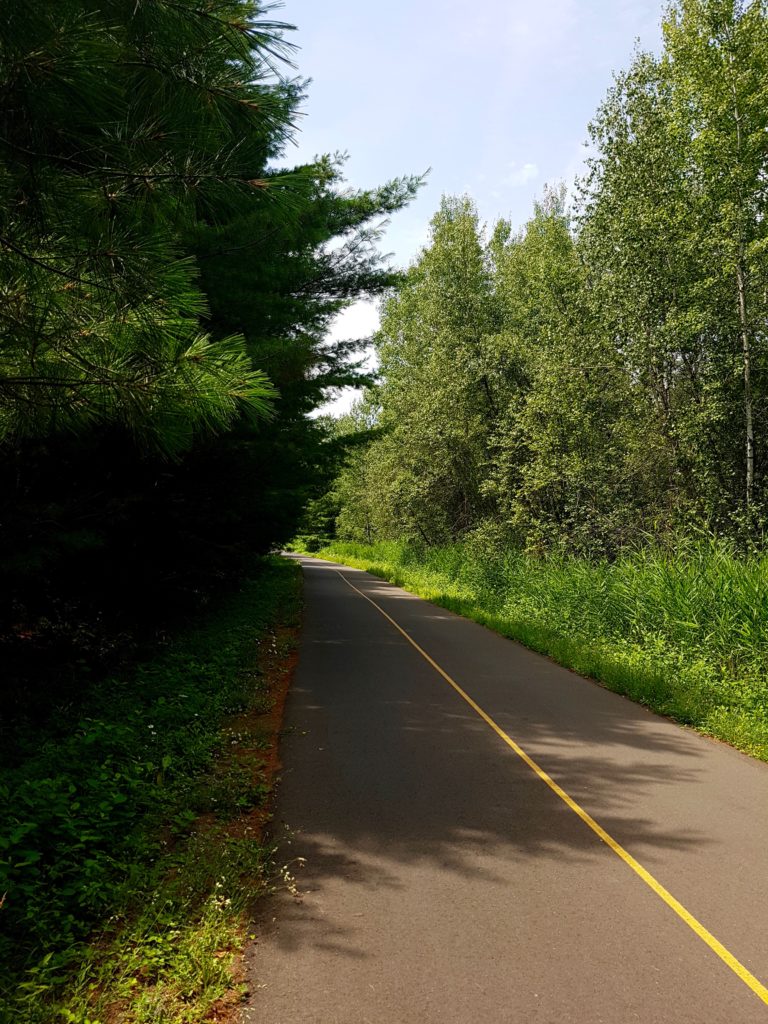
601	375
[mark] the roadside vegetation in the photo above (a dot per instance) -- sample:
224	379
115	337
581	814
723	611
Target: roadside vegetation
569	434
130	823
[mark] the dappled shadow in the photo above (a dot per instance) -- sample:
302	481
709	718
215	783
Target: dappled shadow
539	690
430	873
390	775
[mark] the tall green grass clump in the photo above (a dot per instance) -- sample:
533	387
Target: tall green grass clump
684	631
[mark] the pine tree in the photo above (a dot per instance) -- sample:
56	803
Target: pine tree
121	124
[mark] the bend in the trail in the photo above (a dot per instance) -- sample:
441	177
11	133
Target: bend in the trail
445	881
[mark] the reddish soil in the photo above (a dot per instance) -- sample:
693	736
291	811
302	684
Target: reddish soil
276	668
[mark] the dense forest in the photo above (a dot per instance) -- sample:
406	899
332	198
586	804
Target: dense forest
601	373
167	292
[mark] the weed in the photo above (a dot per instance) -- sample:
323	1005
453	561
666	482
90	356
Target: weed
119	904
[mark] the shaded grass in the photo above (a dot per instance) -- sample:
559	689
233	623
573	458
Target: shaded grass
684	633
130	849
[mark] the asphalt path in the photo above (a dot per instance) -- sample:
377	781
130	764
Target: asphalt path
441	879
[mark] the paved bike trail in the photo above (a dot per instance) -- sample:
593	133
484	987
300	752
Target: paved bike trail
445	883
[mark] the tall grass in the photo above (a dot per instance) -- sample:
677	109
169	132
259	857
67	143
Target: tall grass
684	632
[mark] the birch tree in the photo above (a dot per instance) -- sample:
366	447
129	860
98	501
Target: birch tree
716	62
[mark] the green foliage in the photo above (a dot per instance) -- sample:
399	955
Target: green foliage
512	407
673	207
122	124
283	293
683	631
601	373
95	808
167	295
422	473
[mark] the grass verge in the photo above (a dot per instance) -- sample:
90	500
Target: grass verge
130	832
685	634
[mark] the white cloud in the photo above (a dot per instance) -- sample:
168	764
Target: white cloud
359	320
521	174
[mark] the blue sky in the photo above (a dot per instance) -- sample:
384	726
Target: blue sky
493	96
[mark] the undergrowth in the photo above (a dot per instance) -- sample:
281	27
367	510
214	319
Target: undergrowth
126	887
683	632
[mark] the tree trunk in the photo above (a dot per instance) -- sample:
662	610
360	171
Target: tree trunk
746	348
746	355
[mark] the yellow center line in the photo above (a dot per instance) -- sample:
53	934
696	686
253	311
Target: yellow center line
696	926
